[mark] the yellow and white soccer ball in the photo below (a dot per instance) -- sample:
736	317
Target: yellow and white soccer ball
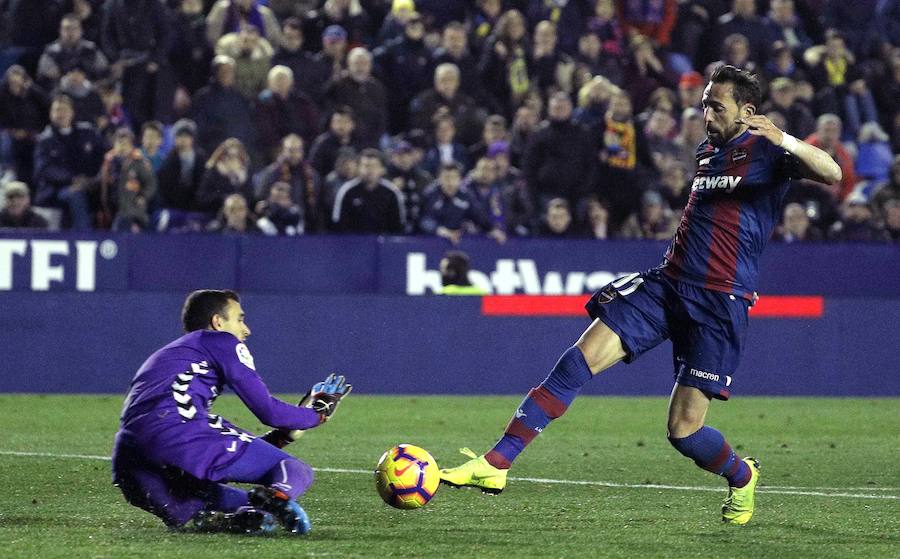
407	477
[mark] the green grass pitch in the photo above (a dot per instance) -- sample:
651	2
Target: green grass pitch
830	483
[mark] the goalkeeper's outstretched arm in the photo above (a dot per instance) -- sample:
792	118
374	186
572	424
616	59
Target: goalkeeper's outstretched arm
323	398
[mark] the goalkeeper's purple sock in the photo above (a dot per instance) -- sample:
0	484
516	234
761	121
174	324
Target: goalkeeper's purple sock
709	450
543	404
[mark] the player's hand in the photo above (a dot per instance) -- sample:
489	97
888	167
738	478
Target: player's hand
760	125
325	396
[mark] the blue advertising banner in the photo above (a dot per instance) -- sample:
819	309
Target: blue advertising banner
395	344
309	264
401	265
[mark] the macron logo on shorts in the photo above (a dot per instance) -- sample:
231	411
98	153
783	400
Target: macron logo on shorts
708	376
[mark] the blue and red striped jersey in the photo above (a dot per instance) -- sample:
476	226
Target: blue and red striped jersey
736	200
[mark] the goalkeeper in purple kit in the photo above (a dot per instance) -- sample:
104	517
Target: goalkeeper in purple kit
174	458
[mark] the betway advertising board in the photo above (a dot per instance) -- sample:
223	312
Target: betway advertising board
400	265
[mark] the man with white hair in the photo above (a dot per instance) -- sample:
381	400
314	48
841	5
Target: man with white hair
364	94
446	93
827	137
281	110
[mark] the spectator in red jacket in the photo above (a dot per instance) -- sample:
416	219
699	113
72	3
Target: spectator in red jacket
827	137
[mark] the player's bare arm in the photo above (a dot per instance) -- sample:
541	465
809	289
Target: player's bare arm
816	164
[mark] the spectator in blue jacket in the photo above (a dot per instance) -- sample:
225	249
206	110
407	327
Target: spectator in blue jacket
449	211
404	67
220	111
67	157
445	148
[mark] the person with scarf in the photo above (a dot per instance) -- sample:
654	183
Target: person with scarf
305	183
230	16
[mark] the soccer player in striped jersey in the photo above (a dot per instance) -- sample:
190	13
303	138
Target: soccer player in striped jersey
698	297
174	458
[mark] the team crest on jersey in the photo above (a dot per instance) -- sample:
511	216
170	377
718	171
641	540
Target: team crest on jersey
244	355
738	155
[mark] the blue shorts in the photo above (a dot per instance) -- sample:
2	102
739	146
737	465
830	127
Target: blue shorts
707	327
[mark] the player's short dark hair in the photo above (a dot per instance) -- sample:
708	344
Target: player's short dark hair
201	305
457	271
746	84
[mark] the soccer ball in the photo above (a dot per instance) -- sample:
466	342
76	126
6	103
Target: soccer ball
407	477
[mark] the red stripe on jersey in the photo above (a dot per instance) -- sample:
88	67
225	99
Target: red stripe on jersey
550	404
723	245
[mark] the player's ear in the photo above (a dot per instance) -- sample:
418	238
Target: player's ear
748	110
216	322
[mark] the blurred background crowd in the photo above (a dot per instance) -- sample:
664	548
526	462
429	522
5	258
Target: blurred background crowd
500	118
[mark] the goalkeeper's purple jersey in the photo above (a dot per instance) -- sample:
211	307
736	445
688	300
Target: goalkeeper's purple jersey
736	200
167	411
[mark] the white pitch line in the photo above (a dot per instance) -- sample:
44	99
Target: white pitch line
824	491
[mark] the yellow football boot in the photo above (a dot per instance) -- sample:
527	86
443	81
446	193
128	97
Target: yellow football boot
475	473
738	506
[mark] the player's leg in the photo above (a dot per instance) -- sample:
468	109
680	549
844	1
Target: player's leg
596	350
705	445
706	349
282	479
620	330
178	499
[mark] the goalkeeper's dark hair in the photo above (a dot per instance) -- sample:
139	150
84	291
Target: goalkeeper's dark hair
746	84
201	305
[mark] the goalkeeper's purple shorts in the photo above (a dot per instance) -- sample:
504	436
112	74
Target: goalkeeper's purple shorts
175	495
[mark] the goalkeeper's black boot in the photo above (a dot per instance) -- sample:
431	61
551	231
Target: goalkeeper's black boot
245	520
286	510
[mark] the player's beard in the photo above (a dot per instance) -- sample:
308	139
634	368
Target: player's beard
719	137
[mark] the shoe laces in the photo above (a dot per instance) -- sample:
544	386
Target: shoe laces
468	452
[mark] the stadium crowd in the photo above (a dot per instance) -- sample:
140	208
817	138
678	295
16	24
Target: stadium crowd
503	118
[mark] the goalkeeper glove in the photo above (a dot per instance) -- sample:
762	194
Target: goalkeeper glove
322	398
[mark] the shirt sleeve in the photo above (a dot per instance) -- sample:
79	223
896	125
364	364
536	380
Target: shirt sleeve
786	165
239	372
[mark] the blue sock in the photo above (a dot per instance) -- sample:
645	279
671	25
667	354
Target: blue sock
709	450
543	404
